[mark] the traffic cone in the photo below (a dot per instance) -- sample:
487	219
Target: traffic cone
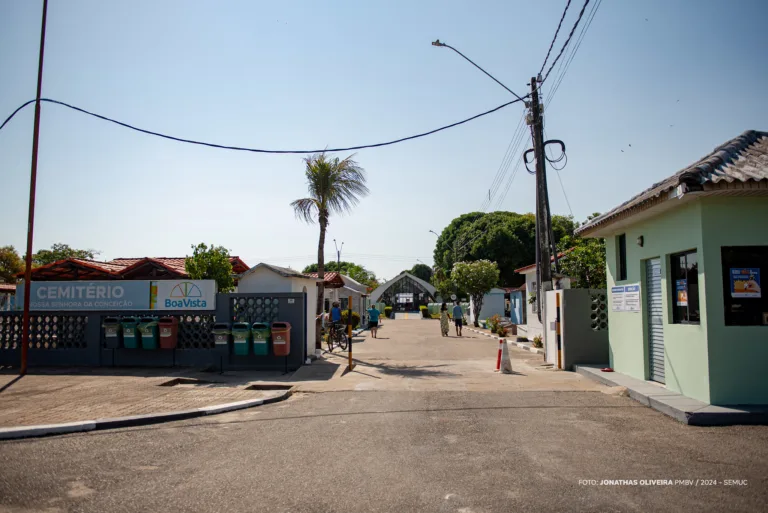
506	362
498	356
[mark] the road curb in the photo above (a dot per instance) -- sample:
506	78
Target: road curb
521	345
13	433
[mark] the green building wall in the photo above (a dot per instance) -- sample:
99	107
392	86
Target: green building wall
685	345
710	362
737	354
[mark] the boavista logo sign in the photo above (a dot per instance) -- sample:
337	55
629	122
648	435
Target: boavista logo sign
185	295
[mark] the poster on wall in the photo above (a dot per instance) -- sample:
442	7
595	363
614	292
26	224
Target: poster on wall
681	287
625	298
745	282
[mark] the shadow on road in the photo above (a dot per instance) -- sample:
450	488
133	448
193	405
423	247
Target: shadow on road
9	384
410	371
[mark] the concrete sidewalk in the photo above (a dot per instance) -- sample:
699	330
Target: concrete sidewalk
680	407
53	396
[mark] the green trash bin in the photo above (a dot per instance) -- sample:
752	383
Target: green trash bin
241	336
131	337
261	333
149	332
221	335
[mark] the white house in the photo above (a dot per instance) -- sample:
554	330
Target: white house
493	304
533	326
265	278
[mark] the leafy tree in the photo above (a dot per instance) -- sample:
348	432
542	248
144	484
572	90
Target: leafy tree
421	271
211	263
60	252
507	238
477	278
356	272
335	186
10	264
586	262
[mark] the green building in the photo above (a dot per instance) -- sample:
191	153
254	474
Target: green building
686	263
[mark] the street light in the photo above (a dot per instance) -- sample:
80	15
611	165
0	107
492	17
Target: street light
437	42
432	231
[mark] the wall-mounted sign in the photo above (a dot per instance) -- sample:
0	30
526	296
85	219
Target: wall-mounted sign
183	295
745	282
681	288
84	296
625	298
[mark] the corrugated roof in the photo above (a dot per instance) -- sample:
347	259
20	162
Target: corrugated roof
7	287
742	159
282	271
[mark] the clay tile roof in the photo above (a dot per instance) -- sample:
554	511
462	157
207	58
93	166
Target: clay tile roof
742	159
533	266
7	287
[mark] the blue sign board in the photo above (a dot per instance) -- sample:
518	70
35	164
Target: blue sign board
82	296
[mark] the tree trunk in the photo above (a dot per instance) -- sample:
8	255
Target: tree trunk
321	276
477	305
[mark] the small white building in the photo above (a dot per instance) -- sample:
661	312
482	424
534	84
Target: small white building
493	304
266	278
533	326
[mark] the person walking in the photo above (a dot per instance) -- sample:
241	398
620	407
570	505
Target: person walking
458	318
373	320
444	323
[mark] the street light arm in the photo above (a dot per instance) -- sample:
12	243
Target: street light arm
438	43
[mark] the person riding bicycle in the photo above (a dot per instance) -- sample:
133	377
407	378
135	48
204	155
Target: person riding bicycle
335	316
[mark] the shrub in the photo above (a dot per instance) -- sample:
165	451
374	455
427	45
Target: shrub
537	341
388	312
493	323
502	331
355	318
424	312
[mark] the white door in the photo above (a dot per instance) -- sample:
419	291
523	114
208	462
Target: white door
655	320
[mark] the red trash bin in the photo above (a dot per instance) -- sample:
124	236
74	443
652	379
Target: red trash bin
281	338
169	332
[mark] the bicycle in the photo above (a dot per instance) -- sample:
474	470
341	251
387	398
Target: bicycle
337	335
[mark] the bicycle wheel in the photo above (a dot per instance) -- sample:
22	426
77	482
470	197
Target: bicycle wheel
343	341
329	341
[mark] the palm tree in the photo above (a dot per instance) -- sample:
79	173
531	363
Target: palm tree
335	186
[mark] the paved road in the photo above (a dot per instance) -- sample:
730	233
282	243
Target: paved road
396	451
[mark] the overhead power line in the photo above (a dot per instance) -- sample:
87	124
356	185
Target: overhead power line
562	49
543	64
566	63
257	150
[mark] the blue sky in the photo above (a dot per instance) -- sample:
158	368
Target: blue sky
306	74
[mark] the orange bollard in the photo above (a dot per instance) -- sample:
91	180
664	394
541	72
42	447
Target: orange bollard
498	358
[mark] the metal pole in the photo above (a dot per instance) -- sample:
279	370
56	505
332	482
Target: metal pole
32	186
558	335
349	332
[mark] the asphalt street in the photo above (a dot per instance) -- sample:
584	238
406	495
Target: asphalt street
396	451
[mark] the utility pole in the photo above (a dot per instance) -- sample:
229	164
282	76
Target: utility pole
32	187
544	238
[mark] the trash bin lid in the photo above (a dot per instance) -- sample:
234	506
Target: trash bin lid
241	326
111	320
260	326
222	326
168	320
281	325
128	319
148	319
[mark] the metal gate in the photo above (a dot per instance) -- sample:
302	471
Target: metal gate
655	320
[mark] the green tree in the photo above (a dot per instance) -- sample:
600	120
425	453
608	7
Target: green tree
211	263
477	278
10	264
356	272
507	238
585	263
421	271
335	186
60	252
